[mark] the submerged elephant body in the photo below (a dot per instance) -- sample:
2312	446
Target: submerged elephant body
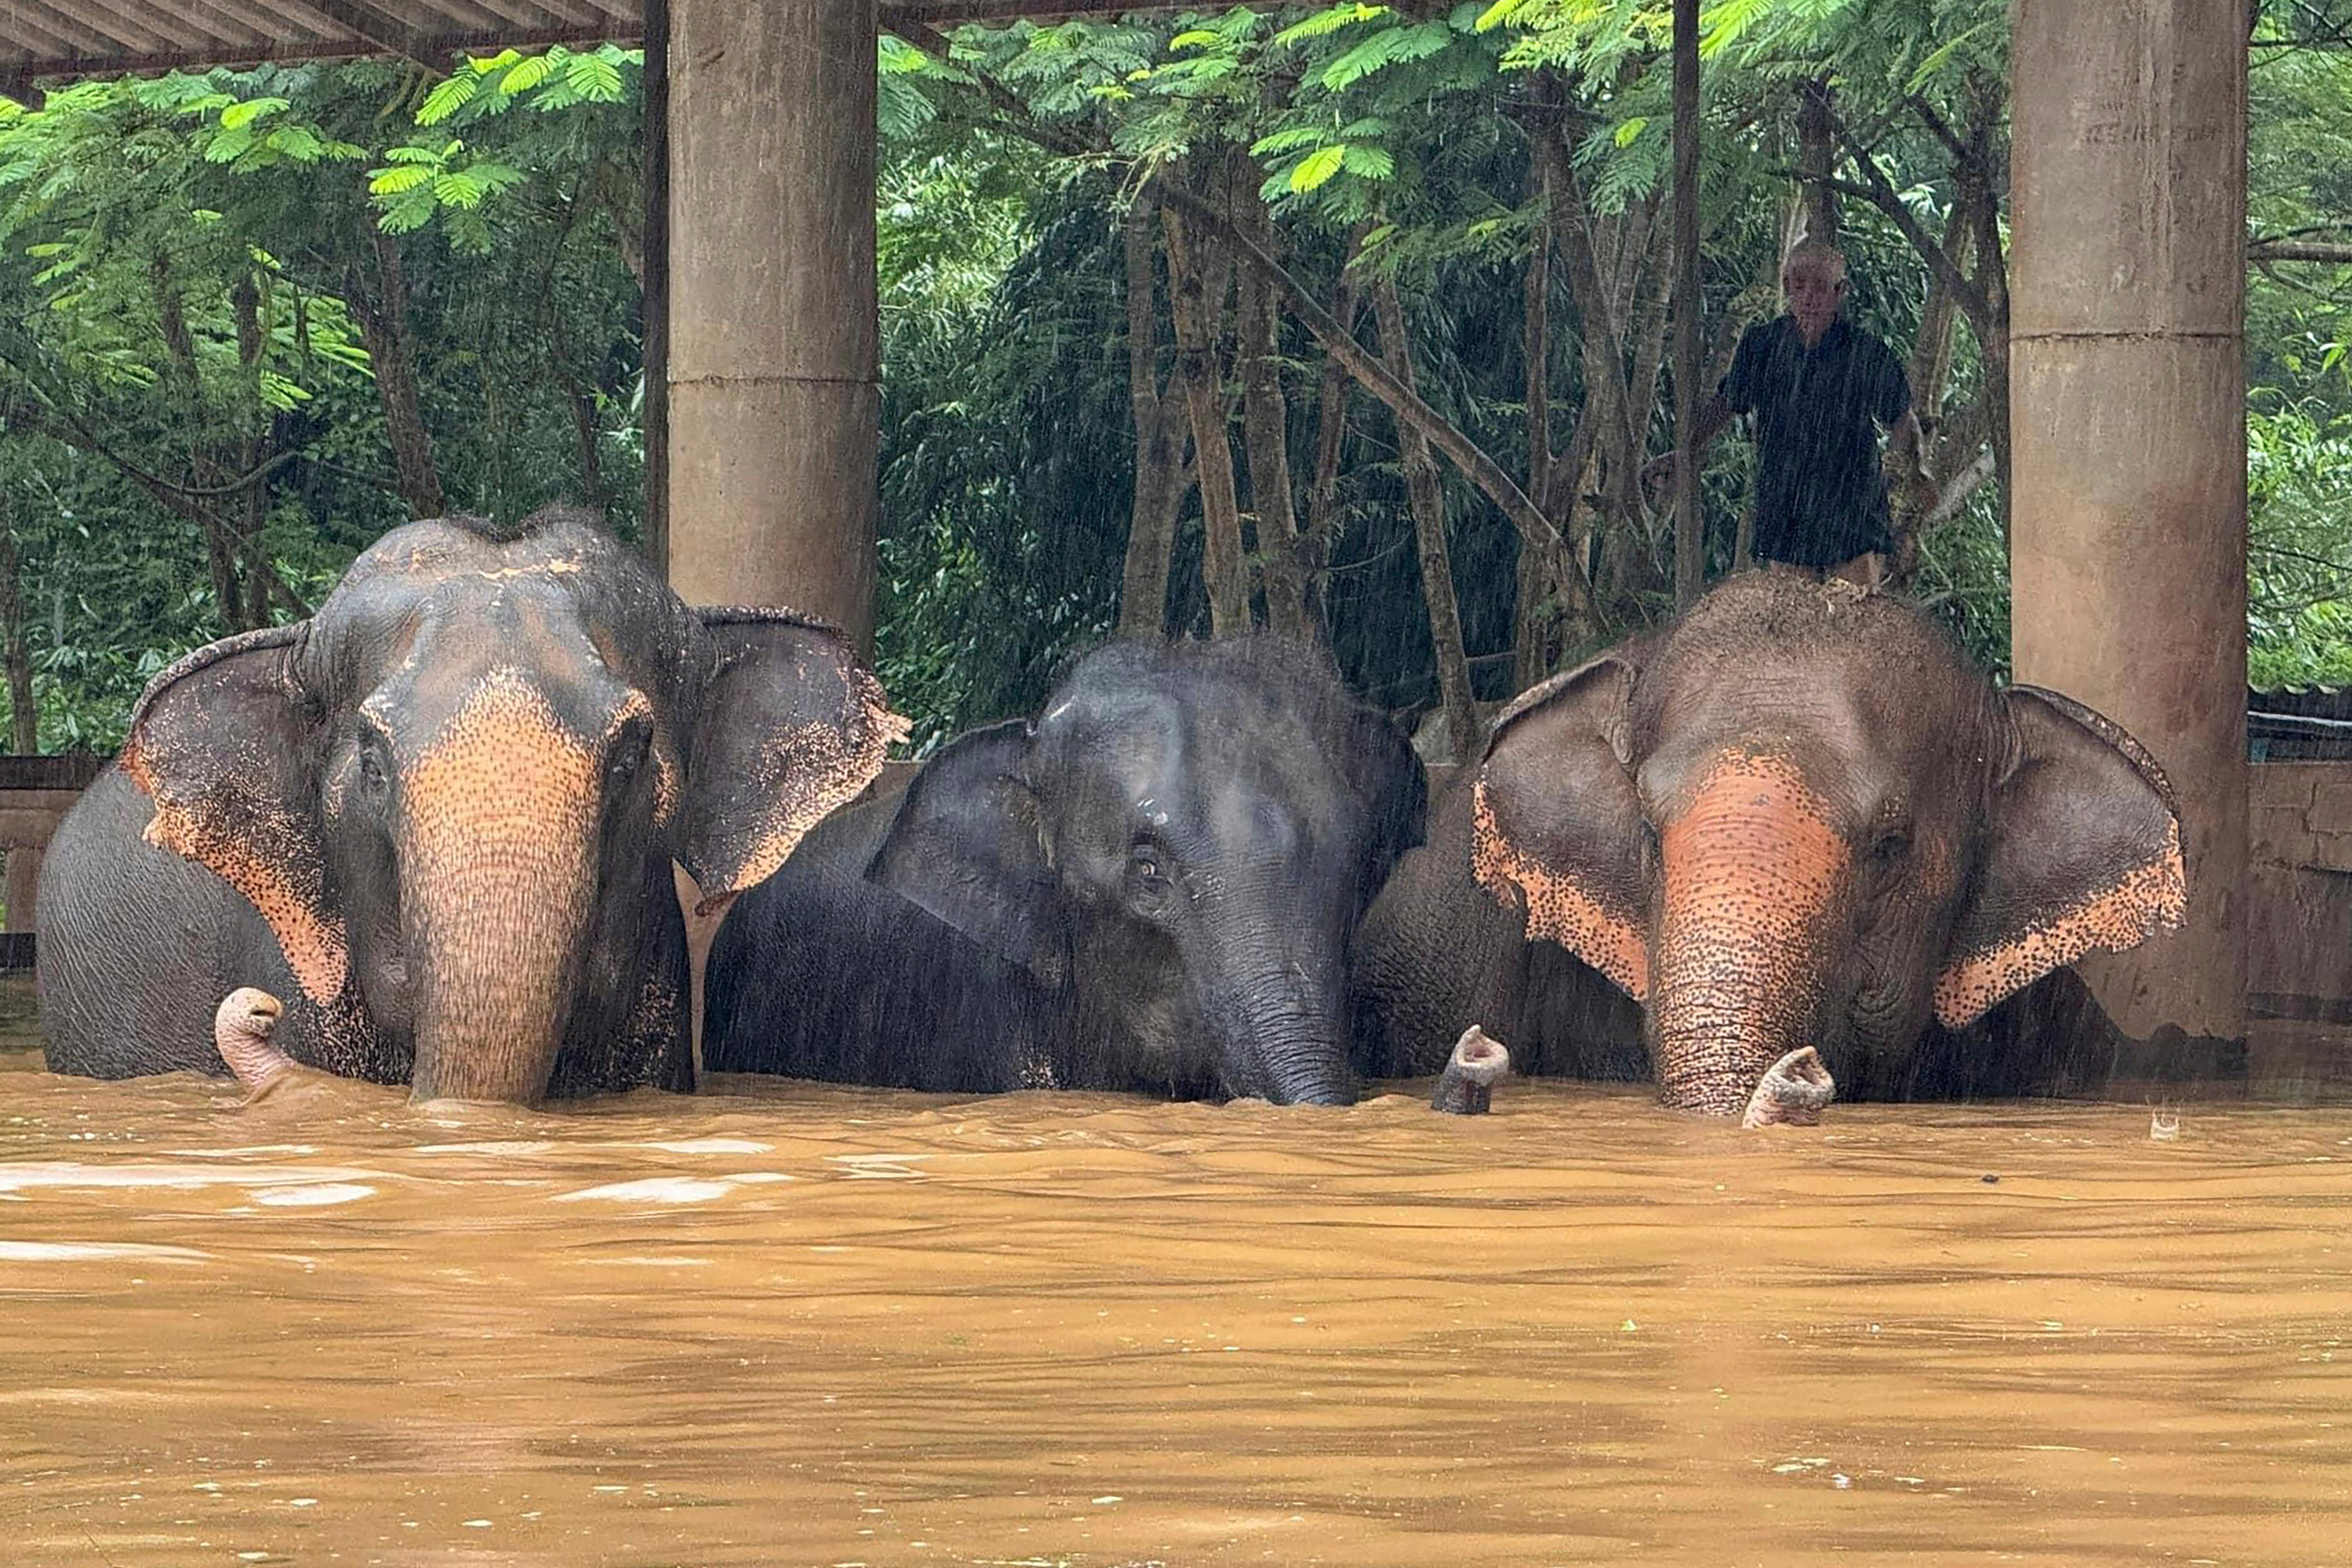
1797	817
439	819
1152	886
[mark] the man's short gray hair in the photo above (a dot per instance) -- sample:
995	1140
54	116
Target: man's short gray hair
1810	253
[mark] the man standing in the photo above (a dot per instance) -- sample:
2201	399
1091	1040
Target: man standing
1819	386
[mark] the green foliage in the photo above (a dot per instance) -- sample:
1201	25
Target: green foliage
185	261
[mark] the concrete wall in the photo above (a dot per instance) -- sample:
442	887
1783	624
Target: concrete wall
2299	907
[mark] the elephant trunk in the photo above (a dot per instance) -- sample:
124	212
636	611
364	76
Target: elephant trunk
500	886
242	1026
1753	871
1282	1012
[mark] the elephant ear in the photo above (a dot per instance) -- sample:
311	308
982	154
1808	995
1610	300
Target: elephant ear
1557	820
790	726
2083	853
227	745
968	847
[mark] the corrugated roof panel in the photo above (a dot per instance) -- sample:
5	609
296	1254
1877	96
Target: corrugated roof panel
51	38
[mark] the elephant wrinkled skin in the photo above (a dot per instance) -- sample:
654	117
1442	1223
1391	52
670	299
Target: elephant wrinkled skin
438	818
1151	887
1796	817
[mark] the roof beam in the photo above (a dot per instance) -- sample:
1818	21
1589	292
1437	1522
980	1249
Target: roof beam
439	45
379	27
956	13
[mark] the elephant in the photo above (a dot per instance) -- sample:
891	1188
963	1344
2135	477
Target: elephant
1150	887
1798	816
438	818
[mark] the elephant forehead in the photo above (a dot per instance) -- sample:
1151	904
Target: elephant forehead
503	756
1755	836
452	659
1828	750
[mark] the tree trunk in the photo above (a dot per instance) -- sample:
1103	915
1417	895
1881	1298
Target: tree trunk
383	329
1816	156
1198	278
1160	484
1265	427
1331	435
16	654
1530	627
1475	463
252	506
1690	538
1429	534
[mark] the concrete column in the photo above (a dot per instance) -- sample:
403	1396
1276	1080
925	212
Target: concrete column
774	396
2127	412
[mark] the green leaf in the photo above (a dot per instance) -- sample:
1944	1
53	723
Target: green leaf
1328	22
1288	140
237	116
459	188
1317	167
450	94
1383	49
1198	38
594	77
1368	163
526	74
228	146
297	142
1500	14
1941	56
1630	129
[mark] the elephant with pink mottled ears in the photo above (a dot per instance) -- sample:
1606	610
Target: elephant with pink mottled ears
1798	817
439	819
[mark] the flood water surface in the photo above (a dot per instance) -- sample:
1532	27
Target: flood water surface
829	1327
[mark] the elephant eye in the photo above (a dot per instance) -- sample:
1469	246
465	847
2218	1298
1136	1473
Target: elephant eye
1148	886
373	779
1890	847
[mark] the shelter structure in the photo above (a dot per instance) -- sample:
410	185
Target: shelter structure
2126	420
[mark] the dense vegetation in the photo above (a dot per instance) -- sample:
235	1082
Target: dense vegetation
251	319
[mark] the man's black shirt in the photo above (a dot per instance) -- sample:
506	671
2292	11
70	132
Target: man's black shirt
1821	496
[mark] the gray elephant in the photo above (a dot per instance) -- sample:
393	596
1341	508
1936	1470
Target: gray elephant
438	818
1798	816
1153	887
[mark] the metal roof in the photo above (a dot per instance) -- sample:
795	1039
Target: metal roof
51	38
87	37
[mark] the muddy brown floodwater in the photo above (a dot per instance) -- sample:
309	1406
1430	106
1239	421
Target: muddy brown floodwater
825	1327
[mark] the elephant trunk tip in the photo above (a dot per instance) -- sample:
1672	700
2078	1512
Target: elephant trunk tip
1466	1087
1792	1092
242	1026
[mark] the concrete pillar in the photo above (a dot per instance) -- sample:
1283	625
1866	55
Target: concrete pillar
774	396
2127	411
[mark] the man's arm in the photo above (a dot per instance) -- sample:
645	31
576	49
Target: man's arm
1711	420
1909	443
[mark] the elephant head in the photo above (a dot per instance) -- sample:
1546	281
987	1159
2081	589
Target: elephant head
1179	848
455	790
1798	817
